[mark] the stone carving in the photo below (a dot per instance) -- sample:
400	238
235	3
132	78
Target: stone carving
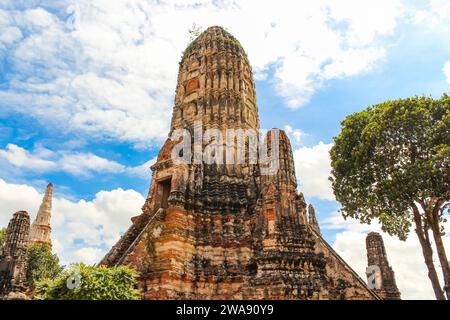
213	231
13	262
192	85
385	284
40	229
19	235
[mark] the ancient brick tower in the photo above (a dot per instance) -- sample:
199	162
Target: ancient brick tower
40	229
226	231
376	256
13	255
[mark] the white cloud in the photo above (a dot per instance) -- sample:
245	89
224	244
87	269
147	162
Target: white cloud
15	197
20	157
405	257
143	170
89	255
446	70
352	62
81	163
296	136
313	167
367	19
10	34
109	68
42	160
81	230
435	15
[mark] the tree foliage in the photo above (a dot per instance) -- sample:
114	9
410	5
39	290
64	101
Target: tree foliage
2	236
41	264
391	155
392	162
82	282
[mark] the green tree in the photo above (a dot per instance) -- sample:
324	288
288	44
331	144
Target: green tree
82	282
391	162
41	264
2	236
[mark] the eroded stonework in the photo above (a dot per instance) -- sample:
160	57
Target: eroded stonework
13	254
223	231
376	256
40	231
13	257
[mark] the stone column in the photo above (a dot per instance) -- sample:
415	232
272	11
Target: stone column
13	261
379	272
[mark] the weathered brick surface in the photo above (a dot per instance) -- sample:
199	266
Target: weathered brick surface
228	232
376	255
40	231
13	261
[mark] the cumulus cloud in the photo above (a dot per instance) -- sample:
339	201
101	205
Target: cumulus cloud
89	255
20	157
43	160
81	230
93	77
405	257
15	197
296	136
313	167
143	170
447	71
434	15
108	69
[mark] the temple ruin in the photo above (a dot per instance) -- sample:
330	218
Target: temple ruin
13	253
226	231
386	286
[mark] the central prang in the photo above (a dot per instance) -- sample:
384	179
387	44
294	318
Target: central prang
226	229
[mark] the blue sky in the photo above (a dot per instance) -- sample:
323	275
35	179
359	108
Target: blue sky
86	92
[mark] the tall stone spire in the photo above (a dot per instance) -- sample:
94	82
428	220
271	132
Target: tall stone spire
215	84
41	229
384	278
285	263
215	90
227	229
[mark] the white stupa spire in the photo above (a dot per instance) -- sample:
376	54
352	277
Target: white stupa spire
41	229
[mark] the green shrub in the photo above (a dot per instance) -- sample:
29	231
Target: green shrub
2	236
82	282
41	264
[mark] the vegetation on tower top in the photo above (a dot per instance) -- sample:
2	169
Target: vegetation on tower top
213	37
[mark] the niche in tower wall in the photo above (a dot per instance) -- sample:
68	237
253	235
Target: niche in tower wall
164	192
192	85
